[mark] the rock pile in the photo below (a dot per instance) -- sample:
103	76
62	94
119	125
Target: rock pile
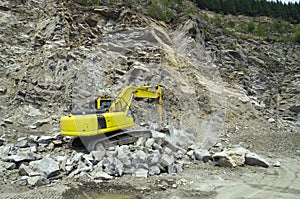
39	160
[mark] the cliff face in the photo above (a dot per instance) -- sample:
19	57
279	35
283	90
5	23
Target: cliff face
56	56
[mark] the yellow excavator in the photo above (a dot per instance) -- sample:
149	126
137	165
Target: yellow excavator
108	115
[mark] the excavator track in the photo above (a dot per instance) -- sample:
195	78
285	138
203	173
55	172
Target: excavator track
104	141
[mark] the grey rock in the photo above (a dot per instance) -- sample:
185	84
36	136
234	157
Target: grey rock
4	150
102	175
22	143
142	166
39	123
149	142
276	164
141	173
174	148
153	159
49	167
76	157
25	170
89	157
123	153
111	153
178	168
139	157
57	143
98	155
255	160
202	155
8	121
179	154
36	181
140	141
271	120
34	138
69	168
20	157
154	170
45	139
108	160
50	146
82	166
167	160
174	168
8	165
157	146
119	168
109	165
167	150
32	112
34	148
158	135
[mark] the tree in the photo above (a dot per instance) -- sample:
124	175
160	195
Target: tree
246	7
230	7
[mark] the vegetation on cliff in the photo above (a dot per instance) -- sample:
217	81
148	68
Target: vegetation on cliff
263	20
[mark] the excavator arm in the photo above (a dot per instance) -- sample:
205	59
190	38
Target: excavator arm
93	122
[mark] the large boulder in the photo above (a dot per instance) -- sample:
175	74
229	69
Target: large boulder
230	157
255	160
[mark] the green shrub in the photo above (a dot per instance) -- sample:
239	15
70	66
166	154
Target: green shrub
277	25
261	31
297	34
251	26
240	68
189	11
155	11
168	15
231	24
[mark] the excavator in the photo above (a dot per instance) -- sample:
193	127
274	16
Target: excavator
107	116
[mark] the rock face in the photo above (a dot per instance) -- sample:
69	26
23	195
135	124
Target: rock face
70	56
268	72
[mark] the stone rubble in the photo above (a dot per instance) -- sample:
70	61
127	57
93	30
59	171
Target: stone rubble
146	157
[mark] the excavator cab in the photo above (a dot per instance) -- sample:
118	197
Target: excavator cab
102	103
